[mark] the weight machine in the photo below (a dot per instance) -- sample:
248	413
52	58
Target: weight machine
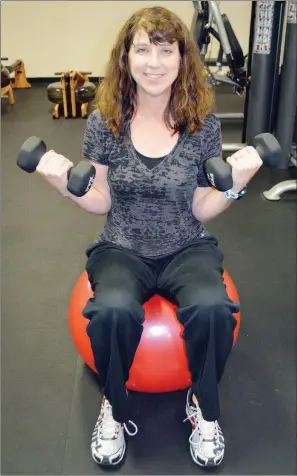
18	68
72	94
230	54
270	94
286	121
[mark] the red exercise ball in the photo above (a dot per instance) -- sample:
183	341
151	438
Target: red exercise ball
160	363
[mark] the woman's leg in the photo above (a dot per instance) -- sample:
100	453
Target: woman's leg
121	283
193	279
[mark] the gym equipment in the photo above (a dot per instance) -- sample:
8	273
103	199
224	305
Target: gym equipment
206	14
219	172
287	112
270	98
253	75
286	122
275	193
6	86
80	177
56	96
160	363
73	92
18	68
82	91
265	67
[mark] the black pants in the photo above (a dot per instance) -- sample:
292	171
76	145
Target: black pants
190	278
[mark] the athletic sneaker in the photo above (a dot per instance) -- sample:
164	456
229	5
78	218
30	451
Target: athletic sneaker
108	444
207	445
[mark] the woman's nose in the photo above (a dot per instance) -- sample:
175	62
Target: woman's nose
154	59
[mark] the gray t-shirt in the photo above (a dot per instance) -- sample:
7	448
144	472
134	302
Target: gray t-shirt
151	211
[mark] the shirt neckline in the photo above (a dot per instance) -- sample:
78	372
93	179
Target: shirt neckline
134	154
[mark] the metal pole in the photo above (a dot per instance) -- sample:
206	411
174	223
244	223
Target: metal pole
275	193
215	12
249	70
194	21
265	61
288	87
232	147
229	116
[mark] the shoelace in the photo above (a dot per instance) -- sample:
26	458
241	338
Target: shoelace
133	424
108	426
207	429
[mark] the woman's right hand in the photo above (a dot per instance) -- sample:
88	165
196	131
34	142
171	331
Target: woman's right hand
54	168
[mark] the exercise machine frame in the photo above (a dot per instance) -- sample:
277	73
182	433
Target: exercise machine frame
207	14
286	121
271	108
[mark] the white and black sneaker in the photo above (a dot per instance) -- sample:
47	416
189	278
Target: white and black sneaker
108	444
207	444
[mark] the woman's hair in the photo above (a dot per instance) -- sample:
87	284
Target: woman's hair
191	100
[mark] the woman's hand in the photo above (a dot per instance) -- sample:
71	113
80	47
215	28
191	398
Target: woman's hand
54	168
245	164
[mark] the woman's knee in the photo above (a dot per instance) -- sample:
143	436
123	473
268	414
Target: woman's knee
203	306
112	308
204	297
114	300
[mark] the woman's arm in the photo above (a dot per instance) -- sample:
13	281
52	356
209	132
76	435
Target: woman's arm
209	203
98	199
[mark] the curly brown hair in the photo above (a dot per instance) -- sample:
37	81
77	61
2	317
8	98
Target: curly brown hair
191	100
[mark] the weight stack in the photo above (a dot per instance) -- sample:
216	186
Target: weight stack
261	109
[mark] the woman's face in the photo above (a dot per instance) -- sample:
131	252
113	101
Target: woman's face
153	67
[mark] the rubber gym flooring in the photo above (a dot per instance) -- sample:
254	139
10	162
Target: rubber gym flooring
50	400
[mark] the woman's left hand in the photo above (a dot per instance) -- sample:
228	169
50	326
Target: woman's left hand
245	164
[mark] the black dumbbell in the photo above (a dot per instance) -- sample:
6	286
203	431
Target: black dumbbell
80	177
219	172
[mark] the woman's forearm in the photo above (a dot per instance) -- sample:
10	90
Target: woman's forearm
93	202
211	205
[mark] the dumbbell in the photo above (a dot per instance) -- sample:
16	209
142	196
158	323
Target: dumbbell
80	177
219	172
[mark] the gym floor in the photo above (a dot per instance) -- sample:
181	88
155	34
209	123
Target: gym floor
50	400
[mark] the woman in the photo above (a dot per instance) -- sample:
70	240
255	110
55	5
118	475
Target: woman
148	138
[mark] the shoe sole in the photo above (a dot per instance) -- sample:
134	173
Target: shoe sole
106	463
204	465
